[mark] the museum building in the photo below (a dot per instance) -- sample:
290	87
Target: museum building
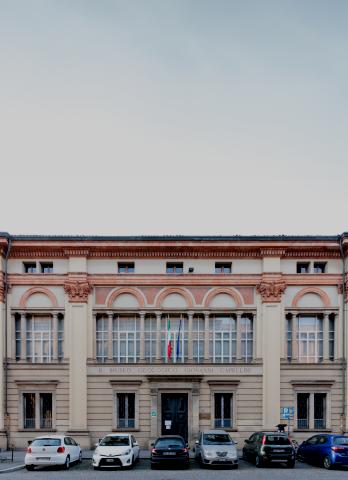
171	335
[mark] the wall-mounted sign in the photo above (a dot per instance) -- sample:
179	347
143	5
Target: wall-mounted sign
153	413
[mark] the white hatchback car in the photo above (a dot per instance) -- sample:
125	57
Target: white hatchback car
52	450
116	450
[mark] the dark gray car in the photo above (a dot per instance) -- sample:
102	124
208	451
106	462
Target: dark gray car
269	447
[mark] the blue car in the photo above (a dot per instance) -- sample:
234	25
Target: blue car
325	449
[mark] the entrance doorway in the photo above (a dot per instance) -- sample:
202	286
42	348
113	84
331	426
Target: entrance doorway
175	414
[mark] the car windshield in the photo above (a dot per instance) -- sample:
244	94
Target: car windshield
217	439
169	442
340	441
46	442
117	441
277	440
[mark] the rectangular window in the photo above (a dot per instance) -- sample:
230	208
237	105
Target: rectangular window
39	339
310	339
175	267
150	338
223	339
102	333
60	337
37	410
174	343
126	267
319	267
198	338
126	339
288	333
332	337
223	410
18	337
303	411
302	267
319	411
126	410
223	267
29	267
246	327
46	267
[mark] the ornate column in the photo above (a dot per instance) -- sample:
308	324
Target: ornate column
55	336
206	337
190	337
142	337
326	336
270	289
77	289
110	342
239	338
158	336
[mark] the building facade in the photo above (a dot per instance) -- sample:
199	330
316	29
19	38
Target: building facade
164	335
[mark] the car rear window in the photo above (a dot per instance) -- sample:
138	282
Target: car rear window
169	442
119	441
340	440
216	439
46	442
277	440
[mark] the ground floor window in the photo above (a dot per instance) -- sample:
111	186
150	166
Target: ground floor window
37	410
223	410
311	411
125	410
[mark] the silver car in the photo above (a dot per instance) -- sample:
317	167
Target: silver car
216	447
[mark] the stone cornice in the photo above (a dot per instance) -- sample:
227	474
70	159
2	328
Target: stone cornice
77	288
271	288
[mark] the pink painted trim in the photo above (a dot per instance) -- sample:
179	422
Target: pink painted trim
323	295
25	297
131	291
167	291
229	291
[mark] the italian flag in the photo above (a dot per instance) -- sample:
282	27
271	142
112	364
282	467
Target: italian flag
169	344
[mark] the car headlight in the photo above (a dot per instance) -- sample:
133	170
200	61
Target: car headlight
127	452
209	454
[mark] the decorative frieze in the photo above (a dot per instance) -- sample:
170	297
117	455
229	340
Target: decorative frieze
77	290
271	289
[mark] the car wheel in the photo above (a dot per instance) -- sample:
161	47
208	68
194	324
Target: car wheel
67	463
201	463
132	464
327	462
153	467
244	456
80	458
30	468
96	468
290	463
258	462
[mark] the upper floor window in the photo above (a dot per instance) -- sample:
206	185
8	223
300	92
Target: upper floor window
319	267
175	267
223	267
223	338
29	267
198	338
46	267
302	267
310	339
126	267
150	338
125	339
246	327
174	344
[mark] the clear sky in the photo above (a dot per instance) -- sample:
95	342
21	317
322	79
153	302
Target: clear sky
174	116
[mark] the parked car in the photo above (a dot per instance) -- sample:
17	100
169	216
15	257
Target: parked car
269	447
216	447
170	450
325	449
116	450
52	450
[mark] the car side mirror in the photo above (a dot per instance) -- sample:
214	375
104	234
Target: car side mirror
247	441
197	442
152	444
96	444
30	442
136	444
187	446
304	442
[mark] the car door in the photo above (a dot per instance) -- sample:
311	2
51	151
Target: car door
319	448
135	446
68	448
310	448
198	446
249	446
75	449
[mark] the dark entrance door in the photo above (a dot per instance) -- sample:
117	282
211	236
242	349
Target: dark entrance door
174	414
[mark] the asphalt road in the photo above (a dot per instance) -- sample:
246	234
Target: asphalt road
142	471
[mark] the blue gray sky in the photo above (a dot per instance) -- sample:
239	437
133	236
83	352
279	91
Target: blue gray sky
173	116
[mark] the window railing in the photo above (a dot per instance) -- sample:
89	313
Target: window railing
303	423
319	424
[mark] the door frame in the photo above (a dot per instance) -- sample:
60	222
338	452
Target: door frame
186	391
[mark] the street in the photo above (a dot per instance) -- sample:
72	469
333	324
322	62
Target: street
142	471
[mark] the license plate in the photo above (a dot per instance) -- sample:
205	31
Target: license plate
278	451
109	460
169	453
222	460
43	458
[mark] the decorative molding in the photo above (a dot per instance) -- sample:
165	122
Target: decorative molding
271	288
175	369
135	383
180	291
317	291
272	252
228	291
132	291
71	252
77	289
32	291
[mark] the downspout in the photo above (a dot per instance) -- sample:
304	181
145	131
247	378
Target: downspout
344	366
6	415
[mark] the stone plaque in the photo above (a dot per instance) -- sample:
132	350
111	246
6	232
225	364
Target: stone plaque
179	370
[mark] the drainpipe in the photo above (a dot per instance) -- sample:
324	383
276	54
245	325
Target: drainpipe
6	415
344	366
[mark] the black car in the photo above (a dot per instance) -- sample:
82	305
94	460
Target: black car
170	450
268	447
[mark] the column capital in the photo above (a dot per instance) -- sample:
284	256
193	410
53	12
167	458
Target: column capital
271	288
158	314
206	313
77	288
142	313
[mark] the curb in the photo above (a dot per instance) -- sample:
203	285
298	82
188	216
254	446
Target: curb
11	469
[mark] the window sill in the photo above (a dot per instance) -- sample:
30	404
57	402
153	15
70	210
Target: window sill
126	429
325	430
37	430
